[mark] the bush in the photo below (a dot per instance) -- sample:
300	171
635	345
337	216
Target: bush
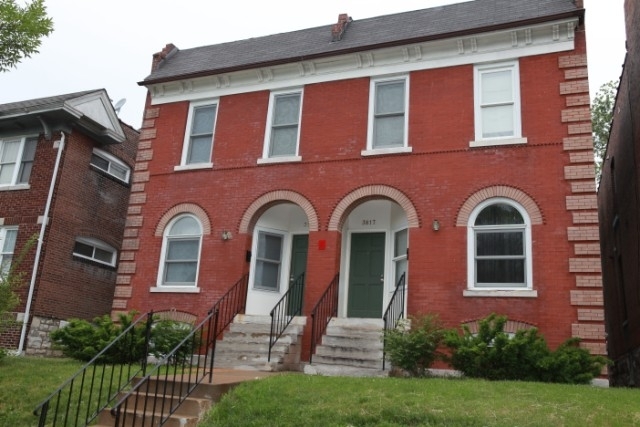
496	355
413	345
166	335
83	340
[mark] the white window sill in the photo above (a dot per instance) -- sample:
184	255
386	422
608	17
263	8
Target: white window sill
501	293
492	142
283	159
175	289
193	166
382	151
15	187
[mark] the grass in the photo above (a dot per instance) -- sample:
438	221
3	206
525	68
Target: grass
298	400
25	382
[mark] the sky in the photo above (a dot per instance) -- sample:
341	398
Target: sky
109	43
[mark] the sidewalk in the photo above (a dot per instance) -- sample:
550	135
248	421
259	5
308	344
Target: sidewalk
232	376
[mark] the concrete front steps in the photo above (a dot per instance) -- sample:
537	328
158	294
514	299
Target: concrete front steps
148	411
246	345
350	347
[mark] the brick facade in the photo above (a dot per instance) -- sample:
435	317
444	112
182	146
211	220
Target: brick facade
618	206
85	203
442	179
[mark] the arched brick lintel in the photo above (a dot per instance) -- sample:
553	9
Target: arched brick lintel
499	191
370	192
191	208
262	203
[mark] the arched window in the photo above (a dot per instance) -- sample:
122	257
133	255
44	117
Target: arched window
180	257
499	246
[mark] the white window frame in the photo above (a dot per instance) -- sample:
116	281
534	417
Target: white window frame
184	165
5	264
96	244
285	243
266	157
112	160
14	184
516	138
499	291
186	287
371	150
397	259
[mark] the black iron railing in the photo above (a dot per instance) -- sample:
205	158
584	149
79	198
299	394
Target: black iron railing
394	312
289	306
159	394
96	385
324	310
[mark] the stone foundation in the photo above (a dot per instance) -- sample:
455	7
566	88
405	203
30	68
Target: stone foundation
39	341
625	372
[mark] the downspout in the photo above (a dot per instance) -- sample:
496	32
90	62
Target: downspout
43	227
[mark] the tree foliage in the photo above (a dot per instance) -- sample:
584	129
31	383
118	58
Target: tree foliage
21	31
601	116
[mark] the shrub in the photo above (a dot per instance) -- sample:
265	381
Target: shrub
167	334
494	354
413	345
572	364
83	340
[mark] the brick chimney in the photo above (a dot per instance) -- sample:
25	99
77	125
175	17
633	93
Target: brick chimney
337	30
158	57
579	3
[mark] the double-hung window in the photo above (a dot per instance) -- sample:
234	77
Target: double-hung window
268	261
497	104
111	165
388	116
16	160
400	252
499	246
7	246
95	250
282	135
198	141
181	252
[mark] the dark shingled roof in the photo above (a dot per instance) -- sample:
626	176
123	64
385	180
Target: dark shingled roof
415	26
49	102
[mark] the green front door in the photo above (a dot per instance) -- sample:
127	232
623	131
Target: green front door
366	270
299	248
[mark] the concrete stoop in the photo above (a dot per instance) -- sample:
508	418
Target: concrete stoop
350	347
245	345
148	412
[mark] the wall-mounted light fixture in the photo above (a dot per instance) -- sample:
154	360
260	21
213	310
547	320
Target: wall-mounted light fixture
436	225
226	235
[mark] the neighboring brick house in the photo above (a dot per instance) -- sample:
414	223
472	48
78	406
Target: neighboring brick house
68	159
451	144
619	209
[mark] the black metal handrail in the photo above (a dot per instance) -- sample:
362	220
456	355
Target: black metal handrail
289	306
183	368
394	312
324	310
82	397
176	375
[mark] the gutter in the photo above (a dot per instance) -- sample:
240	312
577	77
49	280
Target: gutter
43	227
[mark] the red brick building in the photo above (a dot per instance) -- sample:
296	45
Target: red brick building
619	207
65	169
450	145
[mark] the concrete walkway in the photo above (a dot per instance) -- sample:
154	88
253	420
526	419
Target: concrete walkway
233	376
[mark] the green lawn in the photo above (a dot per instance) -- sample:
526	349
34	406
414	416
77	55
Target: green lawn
298	400
25	381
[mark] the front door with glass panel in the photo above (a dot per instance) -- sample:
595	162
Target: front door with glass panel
366	275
